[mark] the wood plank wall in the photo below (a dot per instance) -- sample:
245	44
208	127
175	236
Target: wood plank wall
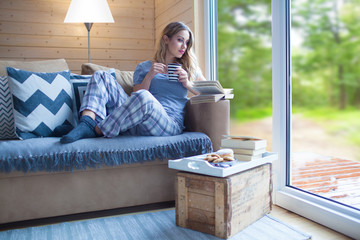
35	30
167	11
189	12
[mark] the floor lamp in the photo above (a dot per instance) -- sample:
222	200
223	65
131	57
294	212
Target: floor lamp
89	12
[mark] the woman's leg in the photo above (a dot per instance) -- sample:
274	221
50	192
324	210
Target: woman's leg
143	113
103	95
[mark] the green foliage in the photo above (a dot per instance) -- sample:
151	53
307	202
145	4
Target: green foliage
325	61
250	114
325	53
244	43
325	65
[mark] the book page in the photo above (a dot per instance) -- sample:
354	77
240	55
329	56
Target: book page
208	89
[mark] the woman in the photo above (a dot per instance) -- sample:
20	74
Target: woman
156	107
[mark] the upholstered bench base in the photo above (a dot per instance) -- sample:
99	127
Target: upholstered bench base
42	178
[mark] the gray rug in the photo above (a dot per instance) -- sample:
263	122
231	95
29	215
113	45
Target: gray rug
148	226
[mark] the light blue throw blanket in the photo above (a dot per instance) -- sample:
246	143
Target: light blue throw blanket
48	154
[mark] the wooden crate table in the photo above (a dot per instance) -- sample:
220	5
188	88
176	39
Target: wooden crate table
223	206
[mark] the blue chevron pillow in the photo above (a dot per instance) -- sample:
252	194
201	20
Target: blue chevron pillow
7	123
42	101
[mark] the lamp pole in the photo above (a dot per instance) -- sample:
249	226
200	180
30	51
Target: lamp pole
88	27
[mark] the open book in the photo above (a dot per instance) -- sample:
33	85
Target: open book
210	91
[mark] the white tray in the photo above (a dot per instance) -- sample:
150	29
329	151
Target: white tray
196	164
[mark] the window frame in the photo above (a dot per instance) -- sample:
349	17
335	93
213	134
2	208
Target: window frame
211	40
331	214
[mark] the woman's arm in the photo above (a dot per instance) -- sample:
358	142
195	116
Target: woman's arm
184	79
200	77
190	88
155	69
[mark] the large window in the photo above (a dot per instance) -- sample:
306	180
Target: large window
325	44
294	67
315	113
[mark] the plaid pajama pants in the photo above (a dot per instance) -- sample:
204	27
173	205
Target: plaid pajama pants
139	114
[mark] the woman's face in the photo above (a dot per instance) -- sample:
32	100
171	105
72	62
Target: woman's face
177	45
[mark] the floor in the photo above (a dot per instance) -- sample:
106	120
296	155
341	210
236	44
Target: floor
317	231
307	226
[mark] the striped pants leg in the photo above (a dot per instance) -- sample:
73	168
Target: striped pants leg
141	114
103	95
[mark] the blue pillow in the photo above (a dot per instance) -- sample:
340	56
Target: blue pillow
7	123
42	101
79	84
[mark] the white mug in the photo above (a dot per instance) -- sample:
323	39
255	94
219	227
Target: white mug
171	69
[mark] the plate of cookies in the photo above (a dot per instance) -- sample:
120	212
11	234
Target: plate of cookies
223	158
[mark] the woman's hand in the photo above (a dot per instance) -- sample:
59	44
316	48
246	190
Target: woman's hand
155	69
158	68
183	78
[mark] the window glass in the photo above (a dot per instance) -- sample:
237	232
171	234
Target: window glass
325	135
244	60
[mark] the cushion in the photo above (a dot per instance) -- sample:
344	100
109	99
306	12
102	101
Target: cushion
124	78
55	65
79	84
7	123
42	101
47	154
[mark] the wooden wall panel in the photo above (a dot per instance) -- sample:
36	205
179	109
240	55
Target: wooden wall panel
35	30
167	11
12	40
190	12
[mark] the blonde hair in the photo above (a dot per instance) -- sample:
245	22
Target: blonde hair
188	59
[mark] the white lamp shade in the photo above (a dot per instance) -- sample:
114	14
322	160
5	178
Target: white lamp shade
89	11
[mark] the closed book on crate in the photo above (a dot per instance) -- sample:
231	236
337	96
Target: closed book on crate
248	151
243	142
223	206
243	157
